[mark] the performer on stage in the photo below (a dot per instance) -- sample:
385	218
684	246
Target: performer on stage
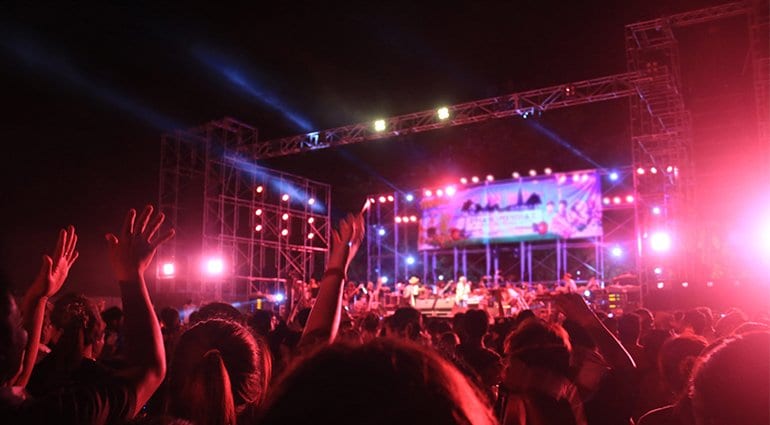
567	284
412	290
462	291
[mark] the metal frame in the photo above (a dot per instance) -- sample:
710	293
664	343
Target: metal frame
202	165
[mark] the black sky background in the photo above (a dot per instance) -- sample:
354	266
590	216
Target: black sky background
88	89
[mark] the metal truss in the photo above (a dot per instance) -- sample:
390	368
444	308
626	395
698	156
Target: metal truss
522	103
201	167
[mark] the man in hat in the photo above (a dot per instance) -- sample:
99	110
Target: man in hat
412	290
567	284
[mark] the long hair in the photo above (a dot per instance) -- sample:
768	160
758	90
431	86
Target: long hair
218	369
81	325
385	381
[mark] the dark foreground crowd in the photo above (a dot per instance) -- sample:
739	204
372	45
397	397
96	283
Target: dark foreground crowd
220	366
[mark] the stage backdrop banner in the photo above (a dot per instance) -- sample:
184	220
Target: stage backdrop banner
565	205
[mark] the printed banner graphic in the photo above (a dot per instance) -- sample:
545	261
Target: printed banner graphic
563	206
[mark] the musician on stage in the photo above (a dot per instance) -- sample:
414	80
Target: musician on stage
462	291
567	285
412	290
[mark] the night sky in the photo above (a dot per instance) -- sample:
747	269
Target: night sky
88	91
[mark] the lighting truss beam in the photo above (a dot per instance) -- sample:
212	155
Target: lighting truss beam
527	102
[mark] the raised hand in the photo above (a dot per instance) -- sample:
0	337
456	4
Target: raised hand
54	270
574	308
132	252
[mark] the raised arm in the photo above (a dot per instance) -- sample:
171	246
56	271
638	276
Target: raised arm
130	254
575	308
324	319
48	282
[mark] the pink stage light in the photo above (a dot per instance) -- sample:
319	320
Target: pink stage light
311	201
463	181
258	228
260	189
606	201
656	210
428	193
660	241
413	219
167	269
475	179
285	197
285	216
575	178
640	171
390	198
670	169
382	199
398	219
653	170
616	200
450	190
215	266
685	284
439	193
490	177
284	232
630	199
661	285
258	211
311	220
310	236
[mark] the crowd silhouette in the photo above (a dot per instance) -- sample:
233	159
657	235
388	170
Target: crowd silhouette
63	361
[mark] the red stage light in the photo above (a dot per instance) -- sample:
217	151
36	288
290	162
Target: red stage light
260	189
413	219
310	236
653	170
215	266
285	197
464	180
439	193
640	171
382	199
606	201
258	228
630	198
284	232
311	220
398	219
428	193
450	190
258	211
616	200
660	241
475	179
285	216
660	285
390	198
168	269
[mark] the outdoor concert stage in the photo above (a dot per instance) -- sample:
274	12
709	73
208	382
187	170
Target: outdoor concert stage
261	226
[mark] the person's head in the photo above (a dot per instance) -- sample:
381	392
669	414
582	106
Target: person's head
405	384
170	320
261	322
677	358
218	368
693	321
729	322
13	337
218	310
629	328
81	329
371	323
730	384
476	326
112	318
406	322
539	347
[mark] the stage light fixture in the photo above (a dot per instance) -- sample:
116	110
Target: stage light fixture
391	198
258	212
616	200
685	284
670	169
258	228
428	193
413	218
658	270
215	266
405	219
606	200
311	201
450	190
379	125
382	199
260	189
311	220
516	175
371	200
285	216
548	171
616	251
463	181
660	241
532	173
587	293
410	260
398	219
640	171
384	279
710	284
629	198
310	235
443	113
168	269
653	170
439	193
614	176
490	178
475	179
284	232
409	197
661	285
285	197
441	277
656	210
278	298
381	232
575	178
